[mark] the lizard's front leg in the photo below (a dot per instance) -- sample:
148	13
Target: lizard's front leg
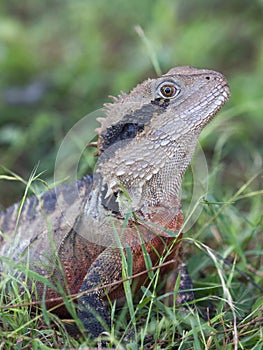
185	291
93	304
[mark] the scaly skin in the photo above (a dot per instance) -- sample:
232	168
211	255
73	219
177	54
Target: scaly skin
145	145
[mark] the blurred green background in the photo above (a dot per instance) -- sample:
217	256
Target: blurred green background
59	60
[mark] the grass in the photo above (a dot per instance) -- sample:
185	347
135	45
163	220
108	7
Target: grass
224	260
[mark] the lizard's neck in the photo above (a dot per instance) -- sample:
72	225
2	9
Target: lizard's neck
154	182
152	201
163	219
157	200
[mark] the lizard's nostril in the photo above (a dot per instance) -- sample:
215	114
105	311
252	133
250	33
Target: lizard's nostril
207	78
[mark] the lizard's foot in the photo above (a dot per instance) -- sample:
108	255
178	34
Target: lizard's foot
185	292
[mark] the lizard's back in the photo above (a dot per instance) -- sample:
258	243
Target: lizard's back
43	234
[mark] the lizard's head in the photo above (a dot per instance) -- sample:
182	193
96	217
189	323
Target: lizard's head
149	135
184	95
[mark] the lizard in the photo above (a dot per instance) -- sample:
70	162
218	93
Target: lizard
130	205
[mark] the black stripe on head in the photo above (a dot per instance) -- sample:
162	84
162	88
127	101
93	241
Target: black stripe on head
164	103
119	132
132	124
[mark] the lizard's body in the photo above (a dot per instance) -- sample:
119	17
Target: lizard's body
145	145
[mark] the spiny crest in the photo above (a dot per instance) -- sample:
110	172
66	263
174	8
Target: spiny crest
124	103
107	110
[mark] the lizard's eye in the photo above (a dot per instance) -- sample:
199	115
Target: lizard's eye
168	90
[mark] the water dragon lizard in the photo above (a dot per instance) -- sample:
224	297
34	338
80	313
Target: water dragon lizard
131	205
